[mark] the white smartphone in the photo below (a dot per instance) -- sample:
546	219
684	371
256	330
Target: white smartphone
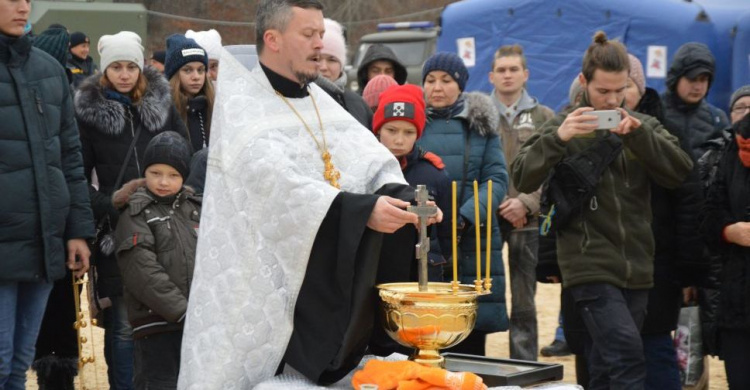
605	119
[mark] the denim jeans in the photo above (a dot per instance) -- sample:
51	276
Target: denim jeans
524	338
559	333
118	345
22	306
614	351
157	361
662	372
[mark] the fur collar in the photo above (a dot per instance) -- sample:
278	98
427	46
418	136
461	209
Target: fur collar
481	114
108	116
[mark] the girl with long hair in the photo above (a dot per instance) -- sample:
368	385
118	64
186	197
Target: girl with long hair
192	93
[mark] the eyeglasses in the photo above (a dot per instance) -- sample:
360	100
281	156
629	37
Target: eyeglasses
740	108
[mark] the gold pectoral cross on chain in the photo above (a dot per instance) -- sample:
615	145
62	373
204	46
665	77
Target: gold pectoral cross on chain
331	174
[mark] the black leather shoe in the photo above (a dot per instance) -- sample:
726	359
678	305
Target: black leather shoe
557	348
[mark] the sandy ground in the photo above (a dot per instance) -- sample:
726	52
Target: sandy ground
548	306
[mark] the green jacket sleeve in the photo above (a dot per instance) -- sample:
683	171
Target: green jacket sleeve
537	156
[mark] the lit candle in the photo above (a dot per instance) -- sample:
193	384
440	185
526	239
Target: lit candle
489	225
478	230
455	237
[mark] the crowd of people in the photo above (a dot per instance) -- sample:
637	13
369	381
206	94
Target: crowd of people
306	183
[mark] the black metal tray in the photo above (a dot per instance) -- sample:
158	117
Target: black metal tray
504	372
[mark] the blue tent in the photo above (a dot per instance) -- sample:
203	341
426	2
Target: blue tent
556	33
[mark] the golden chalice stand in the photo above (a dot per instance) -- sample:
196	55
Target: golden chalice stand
433	316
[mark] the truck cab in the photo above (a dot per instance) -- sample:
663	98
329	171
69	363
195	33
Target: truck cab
412	42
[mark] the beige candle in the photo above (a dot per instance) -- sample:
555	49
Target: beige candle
478	230
489	226
455	236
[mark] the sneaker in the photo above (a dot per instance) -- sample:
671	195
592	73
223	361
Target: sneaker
557	348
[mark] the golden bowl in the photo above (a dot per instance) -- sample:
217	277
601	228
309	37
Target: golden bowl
428	321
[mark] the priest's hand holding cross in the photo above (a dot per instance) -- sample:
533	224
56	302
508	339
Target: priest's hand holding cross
389	215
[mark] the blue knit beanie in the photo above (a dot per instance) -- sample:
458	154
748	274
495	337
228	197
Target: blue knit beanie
180	51
448	63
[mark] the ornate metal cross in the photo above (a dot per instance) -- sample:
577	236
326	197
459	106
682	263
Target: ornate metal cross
424	212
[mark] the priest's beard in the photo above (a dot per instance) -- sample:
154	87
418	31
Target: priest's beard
306	78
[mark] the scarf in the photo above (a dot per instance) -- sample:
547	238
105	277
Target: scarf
447	112
111	94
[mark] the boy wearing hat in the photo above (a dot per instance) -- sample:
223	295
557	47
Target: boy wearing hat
156	239
80	63
398	122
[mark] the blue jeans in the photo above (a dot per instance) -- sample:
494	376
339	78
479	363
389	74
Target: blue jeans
22	306
522	259
118	345
614	351
661	362
559	333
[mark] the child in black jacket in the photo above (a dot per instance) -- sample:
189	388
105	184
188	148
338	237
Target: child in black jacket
398	122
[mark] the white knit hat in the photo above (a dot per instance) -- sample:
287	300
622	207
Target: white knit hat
209	40
333	41
123	46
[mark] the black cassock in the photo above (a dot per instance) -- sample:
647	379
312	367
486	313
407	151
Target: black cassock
337	318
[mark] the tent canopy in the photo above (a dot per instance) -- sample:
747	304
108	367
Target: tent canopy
555	34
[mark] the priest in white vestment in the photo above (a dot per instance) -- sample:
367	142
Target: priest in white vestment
286	261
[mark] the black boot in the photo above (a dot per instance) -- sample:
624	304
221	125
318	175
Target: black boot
55	373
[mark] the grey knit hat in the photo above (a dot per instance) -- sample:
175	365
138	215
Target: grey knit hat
741	92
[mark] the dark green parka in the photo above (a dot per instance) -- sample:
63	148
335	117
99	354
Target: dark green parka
611	241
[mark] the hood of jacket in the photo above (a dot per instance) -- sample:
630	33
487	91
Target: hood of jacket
481	114
108	116
525	102
688	57
380	52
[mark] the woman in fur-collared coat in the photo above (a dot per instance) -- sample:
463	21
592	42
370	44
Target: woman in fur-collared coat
462	130
112	108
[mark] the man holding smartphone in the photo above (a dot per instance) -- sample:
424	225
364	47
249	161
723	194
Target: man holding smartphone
605	252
